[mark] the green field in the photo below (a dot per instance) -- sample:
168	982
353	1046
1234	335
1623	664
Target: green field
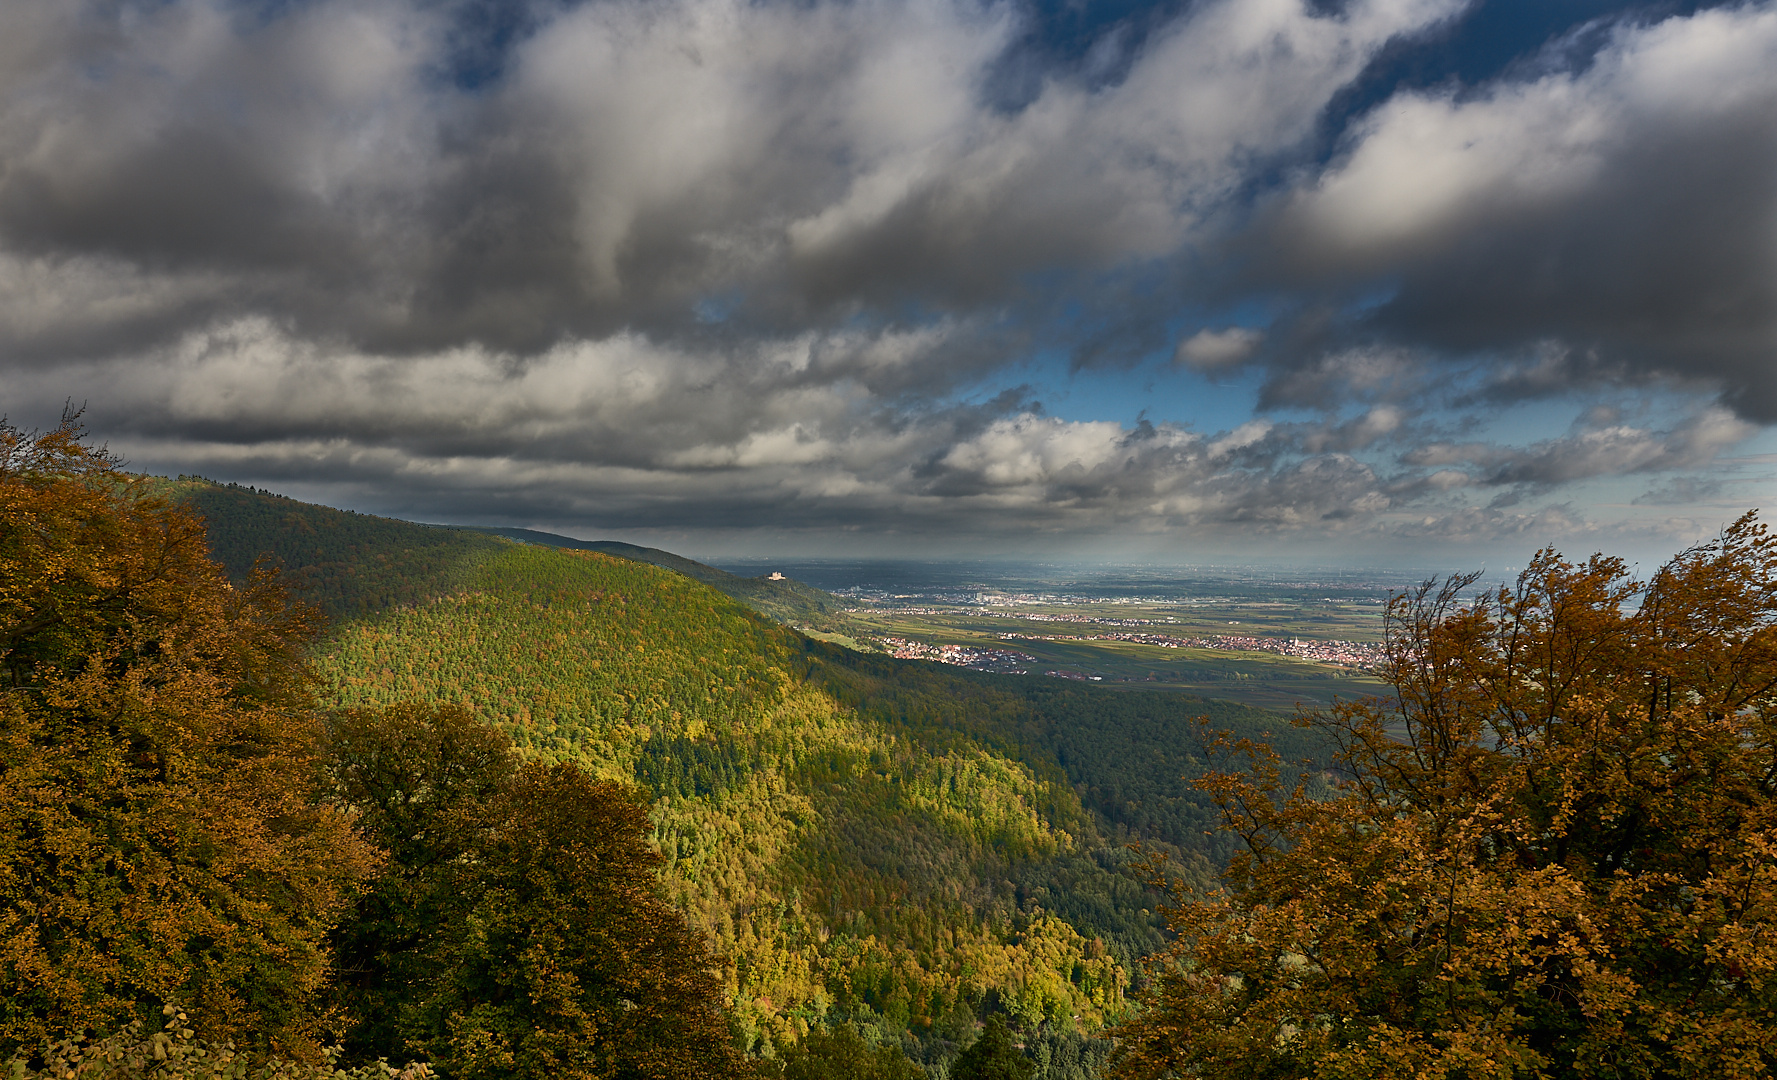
1070	639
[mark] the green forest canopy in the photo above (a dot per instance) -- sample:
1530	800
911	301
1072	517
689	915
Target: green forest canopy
862	837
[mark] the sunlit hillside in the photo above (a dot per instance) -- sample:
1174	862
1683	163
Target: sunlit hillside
865	838
834	860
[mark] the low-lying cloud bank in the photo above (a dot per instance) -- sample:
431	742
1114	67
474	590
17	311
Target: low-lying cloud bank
709	262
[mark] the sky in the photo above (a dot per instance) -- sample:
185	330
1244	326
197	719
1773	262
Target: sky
1325	281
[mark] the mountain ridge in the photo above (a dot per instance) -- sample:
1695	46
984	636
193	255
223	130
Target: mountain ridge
329	555
788	601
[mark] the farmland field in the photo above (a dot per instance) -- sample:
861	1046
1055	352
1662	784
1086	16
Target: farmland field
1276	640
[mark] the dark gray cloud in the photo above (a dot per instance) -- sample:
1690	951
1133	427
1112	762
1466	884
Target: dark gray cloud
634	159
657	263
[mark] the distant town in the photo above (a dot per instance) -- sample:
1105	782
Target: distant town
1002	661
1270	643
1363	656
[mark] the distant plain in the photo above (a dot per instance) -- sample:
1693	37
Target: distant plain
1077	621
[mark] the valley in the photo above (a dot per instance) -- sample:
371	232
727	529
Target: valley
1269	640
905	845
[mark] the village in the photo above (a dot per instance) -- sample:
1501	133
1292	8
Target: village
1002	661
1358	655
1353	654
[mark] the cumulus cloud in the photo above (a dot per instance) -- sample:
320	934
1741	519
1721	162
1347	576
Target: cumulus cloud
1610	221
637	435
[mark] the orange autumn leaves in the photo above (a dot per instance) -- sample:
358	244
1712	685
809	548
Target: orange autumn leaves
179	827
160	834
1552	853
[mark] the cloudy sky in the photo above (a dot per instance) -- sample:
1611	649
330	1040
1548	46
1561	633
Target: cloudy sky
1312	279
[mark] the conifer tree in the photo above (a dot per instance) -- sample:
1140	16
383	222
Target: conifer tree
992	1056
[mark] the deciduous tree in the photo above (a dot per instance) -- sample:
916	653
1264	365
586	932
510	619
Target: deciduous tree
1554	853
569	965
162	837
431	786
840	1053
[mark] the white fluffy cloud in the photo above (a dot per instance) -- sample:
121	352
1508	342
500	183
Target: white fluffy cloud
1424	168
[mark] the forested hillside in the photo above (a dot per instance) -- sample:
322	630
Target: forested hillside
1129	756
347	564
892	842
205	872
721	851
837	862
785	600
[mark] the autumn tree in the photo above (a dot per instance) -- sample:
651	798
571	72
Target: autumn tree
161	832
517	931
1553	853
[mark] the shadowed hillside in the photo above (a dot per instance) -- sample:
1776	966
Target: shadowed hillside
347	564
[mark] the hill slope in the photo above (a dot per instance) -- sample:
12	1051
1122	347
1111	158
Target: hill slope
836	861
348	564
352	564
891	841
785	600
